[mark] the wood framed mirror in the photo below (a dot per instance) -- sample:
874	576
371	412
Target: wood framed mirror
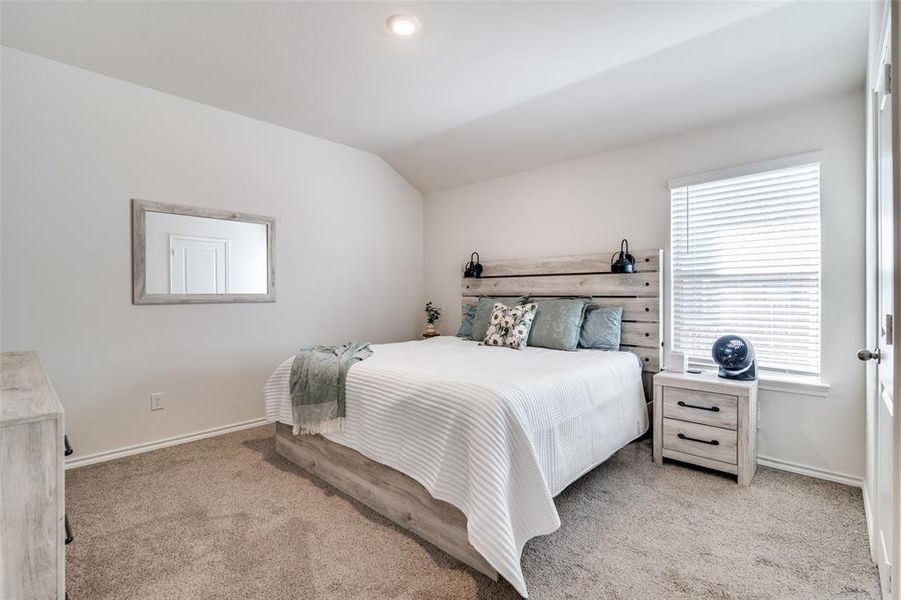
190	255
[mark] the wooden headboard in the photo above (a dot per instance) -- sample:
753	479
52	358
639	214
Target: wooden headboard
588	275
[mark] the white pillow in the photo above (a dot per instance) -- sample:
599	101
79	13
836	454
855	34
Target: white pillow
509	325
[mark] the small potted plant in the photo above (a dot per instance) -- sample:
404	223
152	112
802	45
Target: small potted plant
432	315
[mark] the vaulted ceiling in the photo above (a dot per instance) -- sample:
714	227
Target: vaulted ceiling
484	89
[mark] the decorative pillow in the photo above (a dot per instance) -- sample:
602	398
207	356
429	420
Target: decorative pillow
483	314
558	322
602	328
465	331
509	326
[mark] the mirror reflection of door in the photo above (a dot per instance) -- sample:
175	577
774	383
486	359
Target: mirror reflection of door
198	265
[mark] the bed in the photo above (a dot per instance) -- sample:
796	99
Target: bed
467	445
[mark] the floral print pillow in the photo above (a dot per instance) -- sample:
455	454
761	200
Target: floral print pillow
509	325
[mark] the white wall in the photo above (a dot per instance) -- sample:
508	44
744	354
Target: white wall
77	146
588	205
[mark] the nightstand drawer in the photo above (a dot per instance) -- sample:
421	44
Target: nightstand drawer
709	408
701	440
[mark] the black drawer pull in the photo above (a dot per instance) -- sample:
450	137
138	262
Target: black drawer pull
710	408
68	449
682	436
69	536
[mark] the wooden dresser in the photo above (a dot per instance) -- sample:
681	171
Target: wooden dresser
707	421
32	497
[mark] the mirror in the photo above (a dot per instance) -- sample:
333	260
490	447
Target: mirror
188	255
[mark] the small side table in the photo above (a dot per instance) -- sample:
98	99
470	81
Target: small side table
708	421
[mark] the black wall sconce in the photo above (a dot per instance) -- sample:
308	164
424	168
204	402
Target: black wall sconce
473	268
622	262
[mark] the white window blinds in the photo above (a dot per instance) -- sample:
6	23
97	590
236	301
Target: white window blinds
746	260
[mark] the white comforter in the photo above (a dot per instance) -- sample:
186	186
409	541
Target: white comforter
495	432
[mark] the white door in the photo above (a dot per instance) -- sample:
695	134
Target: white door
198	265
883	511
885	517
889	231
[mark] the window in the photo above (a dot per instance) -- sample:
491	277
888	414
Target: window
746	260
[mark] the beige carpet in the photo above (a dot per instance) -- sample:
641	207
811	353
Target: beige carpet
228	518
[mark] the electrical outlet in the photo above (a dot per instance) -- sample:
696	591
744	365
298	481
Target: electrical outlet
156	401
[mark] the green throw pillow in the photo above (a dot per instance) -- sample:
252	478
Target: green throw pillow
558	323
602	328
465	331
483	314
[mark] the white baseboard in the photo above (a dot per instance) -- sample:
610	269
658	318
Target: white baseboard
90	459
784	465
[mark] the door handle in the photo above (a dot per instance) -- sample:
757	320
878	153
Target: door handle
866	355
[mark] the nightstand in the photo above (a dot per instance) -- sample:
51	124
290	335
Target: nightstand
707	421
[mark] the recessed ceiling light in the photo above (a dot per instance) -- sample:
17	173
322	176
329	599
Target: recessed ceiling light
403	25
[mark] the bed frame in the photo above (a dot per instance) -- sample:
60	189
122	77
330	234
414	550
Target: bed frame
407	503
387	491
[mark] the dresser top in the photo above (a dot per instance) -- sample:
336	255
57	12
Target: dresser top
706	381
25	391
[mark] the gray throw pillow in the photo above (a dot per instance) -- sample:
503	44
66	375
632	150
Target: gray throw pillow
602	328
483	314
557	323
469	312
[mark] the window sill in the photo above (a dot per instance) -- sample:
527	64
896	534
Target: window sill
787	384
793	384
